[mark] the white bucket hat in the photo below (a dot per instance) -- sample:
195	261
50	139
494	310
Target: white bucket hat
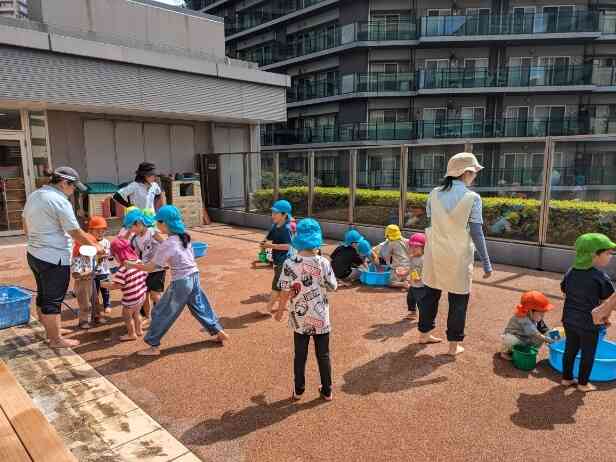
461	163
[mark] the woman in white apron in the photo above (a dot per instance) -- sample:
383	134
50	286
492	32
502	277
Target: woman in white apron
455	232
144	192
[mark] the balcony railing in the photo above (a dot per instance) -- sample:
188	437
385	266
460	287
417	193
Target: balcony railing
429	129
320	41
548	23
380	31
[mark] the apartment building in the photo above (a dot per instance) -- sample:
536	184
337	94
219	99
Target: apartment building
501	75
14	8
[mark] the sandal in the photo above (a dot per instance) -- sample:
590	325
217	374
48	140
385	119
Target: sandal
85	325
324	396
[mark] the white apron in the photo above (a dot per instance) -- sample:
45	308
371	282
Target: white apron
449	254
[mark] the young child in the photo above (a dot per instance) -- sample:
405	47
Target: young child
185	289
522	327
145	241
81	271
97	226
416	243
346	260
394	251
303	282
279	238
132	283
585	287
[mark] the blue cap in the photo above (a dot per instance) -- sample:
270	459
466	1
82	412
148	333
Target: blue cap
308	235
282	206
364	248
171	217
352	236
137	215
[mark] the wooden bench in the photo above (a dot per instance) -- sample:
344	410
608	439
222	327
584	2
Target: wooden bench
25	433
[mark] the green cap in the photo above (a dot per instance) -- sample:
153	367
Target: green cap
587	246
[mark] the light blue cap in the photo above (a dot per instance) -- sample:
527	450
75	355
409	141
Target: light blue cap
364	248
171	217
307	235
282	206
352	236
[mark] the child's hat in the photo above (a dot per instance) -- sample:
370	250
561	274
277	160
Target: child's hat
392	233
532	301
352	236
97	222
587	246
282	206
461	163
364	248
417	240
308	235
122	251
172	217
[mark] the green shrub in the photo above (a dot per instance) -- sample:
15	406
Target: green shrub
504	217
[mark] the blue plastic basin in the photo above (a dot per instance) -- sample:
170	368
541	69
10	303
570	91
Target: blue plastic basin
14	306
375	278
199	249
604	368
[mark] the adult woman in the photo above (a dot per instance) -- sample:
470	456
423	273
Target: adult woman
456	224
144	192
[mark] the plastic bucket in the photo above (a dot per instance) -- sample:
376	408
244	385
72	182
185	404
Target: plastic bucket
262	257
524	357
14	306
199	249
375	278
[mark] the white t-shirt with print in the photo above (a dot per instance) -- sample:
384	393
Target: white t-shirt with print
145	245
140	195
307	278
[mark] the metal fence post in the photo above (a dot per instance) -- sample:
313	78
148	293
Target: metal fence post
404	163
548	162
276	166
310	182
247	182
352	183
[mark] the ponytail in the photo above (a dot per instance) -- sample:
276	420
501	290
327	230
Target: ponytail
185	238
447	183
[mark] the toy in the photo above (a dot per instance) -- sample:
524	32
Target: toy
558	333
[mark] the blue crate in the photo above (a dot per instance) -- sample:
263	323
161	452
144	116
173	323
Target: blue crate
375	278
14	306
199	249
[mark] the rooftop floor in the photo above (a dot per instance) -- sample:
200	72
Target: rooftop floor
393	399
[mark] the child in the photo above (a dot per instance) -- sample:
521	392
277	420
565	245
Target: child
280	237
145	240
522	327
416	243
97	226
81	272
346	260
585	287
303	283
394	252
185	289
132	283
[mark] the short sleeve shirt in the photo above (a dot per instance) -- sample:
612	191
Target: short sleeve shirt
584	291
49	217
344	259
453	196
279	235
307	278
145	245
141	195
181	261
395	253
132	282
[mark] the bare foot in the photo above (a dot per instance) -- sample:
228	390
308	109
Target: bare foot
506	356
107	312
64	343
455	349
568	383
128	338
586	388
152	351
412	315
145	323
222	337
342	283
426	339
64	331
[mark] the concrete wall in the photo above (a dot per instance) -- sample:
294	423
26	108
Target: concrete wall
138	21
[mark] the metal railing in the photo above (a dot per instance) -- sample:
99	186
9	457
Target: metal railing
381	31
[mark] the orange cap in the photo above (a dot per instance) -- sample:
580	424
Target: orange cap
532	301
97	222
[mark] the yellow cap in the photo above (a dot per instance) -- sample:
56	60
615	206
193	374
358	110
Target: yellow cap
392	233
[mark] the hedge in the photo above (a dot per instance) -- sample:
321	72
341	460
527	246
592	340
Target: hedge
504	217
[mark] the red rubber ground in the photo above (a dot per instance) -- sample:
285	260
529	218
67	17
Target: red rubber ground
393	399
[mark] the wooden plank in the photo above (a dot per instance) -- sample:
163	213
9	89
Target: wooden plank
38	437
11	448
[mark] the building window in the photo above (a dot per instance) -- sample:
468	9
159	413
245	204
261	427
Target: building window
388	115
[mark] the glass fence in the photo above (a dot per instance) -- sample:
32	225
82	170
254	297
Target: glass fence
546	192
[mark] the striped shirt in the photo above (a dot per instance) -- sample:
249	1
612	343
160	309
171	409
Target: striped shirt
132	282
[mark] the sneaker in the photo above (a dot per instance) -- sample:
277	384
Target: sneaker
296	396
326	397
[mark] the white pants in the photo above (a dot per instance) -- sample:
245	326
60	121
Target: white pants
509	341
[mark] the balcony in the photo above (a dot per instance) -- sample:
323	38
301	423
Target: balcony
513	24
439	129
380	31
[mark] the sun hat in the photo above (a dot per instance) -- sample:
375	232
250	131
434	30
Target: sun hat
282	206
122	251
364	248
392	233
417	240
587	246
461	163
308	235
146	169
532	301
70	174
171	216
97	222
132	217
352	236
